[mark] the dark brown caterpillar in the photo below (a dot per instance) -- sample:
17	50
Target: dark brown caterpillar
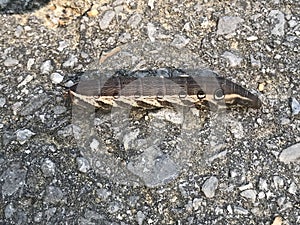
158	92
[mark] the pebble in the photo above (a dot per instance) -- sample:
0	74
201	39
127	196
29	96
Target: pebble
255	62
134	20
14	178
83	164
48	168
71	62
295	105
11	62
62	45
16	107
293	188
53	194
262	184
290	154
9	211
151	31
140	217
151	4
168	115
59	109
278	20
93	13
240	210
284	121
292	23
125	37
277	221
19	31
2	102
229	209
237	129
261	195
197	203
153	167
30	63
24	135
252	38
106	19
250	194
114	207
34	104
27	79
209	187
228	24
129	137
278	182
233	59
56	78
180	41
46	67
103	194
94	145
245	187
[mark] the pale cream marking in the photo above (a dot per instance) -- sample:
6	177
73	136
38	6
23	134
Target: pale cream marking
229	98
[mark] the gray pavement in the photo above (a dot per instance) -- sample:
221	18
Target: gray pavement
69	164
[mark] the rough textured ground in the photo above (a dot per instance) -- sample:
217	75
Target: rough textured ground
68	165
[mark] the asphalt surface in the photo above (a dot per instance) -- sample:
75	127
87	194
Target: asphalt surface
62	163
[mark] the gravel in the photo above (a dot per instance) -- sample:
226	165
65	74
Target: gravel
62	163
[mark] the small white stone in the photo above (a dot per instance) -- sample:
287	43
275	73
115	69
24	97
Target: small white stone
24	135
290	154
11	62
197	203
284	121
83	164
252	38
129	137
180	41
233	59
209	187
94	145
278	182
229	209
56	78
27	79
278	22
106	19
151	4
151	30
46	67
71	62
62	45
262	184
48	167
240	210
277	56
259	121
295	105
250	194
261	195
245	187
293	188
2	102
140	217
292	23
30	63
69	84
